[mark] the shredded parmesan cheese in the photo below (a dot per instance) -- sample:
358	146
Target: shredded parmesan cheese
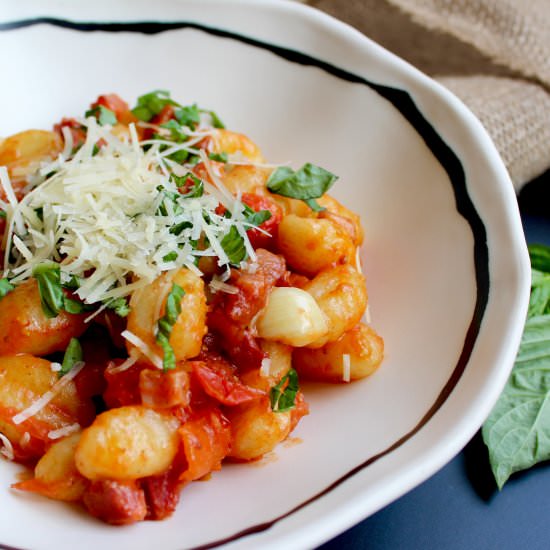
7	448
112	215
43	400
113	368
64	431
346	367
143	347
265	368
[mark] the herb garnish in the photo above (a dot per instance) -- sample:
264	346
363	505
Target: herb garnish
308	183
167	322
283	395
104	116
73	355
516	431
52	296
5	287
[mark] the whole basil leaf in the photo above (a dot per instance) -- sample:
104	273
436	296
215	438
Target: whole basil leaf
540	257
517	432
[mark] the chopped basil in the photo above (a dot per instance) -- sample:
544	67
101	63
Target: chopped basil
119	306
233	246
216	121
170	257
151	104
256	218
73	355
3	214
177	133
188	116
218	157
5	287
167	322
104	116
197	188
308	183
48	276
283	395
52	296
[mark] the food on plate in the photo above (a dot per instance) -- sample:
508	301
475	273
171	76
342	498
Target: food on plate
164	288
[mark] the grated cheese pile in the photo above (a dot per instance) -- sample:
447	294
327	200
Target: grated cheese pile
107	215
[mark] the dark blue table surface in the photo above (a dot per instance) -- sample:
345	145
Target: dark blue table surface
460	507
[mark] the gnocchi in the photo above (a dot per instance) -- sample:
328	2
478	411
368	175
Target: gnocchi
165	290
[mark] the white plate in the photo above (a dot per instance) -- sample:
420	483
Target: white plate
447	269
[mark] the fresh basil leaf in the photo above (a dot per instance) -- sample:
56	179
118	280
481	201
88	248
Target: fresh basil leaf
256	218
218	157
516	431
193	185
539	301
283	395
179	156
170	257
233	246
104	116
179	227
167	322
188	116
540	257
3	214
170	197
309	182
119	306
48	276
73	355
73	283
314	205
177	133
5	287
151	104
75	306
216	121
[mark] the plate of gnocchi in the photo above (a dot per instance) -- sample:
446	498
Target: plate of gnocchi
260	277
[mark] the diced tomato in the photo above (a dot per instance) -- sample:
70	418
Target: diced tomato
114	103
259	239
164	116
237	341
218	379
122	387
116	502
218	169
164	389
206	437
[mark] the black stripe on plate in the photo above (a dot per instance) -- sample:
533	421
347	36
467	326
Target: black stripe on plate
404	103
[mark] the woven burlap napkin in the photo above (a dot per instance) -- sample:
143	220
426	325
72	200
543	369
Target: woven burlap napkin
493	54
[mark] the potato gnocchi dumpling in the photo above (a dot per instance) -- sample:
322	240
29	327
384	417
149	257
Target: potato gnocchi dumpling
164	291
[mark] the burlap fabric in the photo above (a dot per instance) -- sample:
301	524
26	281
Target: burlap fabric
493	54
